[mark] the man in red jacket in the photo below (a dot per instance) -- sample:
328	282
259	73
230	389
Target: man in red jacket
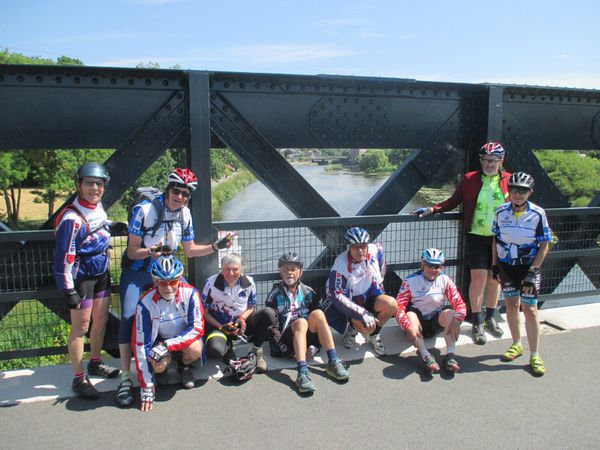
480	192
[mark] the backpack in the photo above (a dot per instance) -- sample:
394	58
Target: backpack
72	207
153	194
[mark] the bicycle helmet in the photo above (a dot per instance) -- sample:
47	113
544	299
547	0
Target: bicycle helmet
290	258
184	177
92	169
243	368
520	179
166	268
356	235
492	149
433	256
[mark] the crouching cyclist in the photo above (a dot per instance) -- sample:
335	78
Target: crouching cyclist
429	302
301	323
356	301
168	322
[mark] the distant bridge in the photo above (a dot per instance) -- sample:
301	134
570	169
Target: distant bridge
331	160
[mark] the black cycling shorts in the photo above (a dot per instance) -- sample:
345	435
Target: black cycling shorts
479	251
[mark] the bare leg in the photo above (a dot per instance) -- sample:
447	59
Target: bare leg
80	322
317	323
477	288
513	318
532	326
299	328
99	319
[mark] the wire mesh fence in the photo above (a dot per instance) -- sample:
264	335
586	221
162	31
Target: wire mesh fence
33	320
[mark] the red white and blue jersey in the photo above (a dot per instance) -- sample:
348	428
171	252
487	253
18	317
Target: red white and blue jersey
429	297
175	227
226	304
518	235
350	283
177	323
82	240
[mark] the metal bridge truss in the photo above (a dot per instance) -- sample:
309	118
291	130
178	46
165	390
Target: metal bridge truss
142	112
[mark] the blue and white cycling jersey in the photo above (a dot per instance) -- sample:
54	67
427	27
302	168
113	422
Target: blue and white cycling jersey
175	227
518	235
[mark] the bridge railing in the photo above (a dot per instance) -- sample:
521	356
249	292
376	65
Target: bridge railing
33	319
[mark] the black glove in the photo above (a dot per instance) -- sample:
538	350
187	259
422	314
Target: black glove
221	243
531	277
496	273
119	229
72	299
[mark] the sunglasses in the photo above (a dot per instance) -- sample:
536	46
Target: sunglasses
172	283
521	191
434	266
183	192
90	183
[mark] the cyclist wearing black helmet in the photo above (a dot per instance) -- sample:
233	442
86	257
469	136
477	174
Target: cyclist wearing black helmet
480	192
168	324
301	323
521	244
81	270
356	300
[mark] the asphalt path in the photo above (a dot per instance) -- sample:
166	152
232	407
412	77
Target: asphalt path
389	402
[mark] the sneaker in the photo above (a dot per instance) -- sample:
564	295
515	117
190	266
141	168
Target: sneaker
537	365
304	383
261	362
84	388
492	327
478	334
162	378
450	363
430	364
512	353
375	341
337	370
124	395
99	369
350	337
187	377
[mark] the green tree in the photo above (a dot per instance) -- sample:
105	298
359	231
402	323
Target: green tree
13	170
398	155
576	175
373	161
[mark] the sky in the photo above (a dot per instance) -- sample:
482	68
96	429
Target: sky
526	42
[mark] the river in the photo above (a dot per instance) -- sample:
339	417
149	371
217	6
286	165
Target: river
345	191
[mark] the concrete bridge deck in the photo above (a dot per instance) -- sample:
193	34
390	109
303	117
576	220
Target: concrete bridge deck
389	402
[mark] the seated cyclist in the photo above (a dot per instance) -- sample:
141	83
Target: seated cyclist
229	299
301	323
429	302
168	323
356	300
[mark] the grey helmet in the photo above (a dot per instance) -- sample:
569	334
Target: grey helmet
520	179
290	258
92	169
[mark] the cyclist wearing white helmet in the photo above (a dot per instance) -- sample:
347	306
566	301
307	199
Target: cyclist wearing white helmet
480	192
356	300
521	244
156	227
429	302
301	325
81	271
168	323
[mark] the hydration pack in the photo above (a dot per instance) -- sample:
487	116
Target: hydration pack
242	369
153	194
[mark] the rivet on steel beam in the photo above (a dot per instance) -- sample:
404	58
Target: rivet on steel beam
242	85
58	80
133	142
226	84
113	81
148	81
165	82
273	86
179	96
39	79
338	107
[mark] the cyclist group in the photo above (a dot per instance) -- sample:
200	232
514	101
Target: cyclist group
165	319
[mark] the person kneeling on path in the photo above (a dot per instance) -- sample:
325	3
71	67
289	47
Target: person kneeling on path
429	302
301	324
168	324
229	299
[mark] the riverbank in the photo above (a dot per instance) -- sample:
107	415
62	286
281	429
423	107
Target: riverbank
226	189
